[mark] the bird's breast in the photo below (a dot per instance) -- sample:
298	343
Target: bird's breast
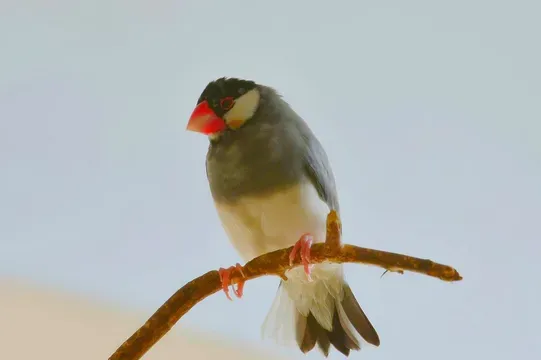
257	224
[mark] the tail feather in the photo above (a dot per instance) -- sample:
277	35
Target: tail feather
307	332
340	338
358	318
323	340
348	320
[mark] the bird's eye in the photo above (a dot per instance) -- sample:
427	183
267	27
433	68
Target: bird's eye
227	103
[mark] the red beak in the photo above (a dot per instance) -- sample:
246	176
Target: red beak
204	120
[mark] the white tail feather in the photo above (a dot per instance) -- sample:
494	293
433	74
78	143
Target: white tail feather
299	297
279	323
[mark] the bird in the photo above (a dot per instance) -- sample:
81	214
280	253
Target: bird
273	187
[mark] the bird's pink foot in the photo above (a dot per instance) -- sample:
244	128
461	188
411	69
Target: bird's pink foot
225	278
304	244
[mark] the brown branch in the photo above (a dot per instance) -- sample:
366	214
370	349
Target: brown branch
273	263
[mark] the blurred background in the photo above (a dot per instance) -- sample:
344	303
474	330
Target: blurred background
430	113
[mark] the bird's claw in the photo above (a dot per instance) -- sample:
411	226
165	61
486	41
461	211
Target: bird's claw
225	278
303	244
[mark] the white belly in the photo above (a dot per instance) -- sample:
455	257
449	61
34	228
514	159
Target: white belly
257	225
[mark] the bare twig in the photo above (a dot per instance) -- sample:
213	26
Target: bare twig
273	263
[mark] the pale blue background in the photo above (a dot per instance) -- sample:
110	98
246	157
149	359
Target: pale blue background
430	112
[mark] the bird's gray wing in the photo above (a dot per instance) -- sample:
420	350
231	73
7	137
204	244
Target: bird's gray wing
318	169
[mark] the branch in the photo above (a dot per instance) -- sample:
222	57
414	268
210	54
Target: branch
273	263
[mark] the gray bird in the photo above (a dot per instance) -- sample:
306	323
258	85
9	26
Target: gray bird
273	187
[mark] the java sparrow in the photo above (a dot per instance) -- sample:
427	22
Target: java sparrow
273	187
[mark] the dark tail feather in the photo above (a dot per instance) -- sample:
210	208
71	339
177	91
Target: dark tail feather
358	318
307	332
348	313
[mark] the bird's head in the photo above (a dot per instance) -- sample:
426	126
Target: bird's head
225	104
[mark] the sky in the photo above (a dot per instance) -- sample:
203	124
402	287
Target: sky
430	113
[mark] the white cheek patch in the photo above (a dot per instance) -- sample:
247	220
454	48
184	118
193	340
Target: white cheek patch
244	108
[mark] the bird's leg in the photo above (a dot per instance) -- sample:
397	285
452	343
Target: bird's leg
303	244
225	278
